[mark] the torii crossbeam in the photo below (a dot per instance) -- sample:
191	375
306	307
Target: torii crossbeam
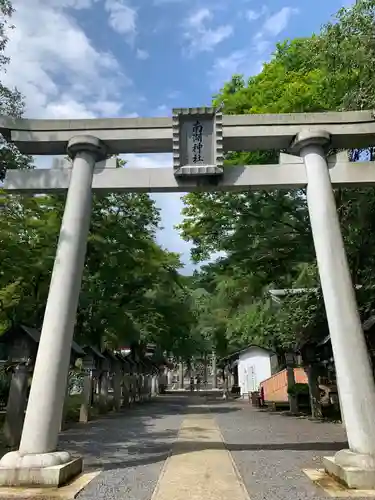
289	173
352	129
198	139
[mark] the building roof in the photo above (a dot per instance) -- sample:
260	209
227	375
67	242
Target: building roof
34	334
366	325
109	354
251	346
95	351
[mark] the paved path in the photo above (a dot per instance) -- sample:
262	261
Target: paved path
271	450
173	449
200	466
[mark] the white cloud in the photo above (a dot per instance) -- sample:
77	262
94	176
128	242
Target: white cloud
73	4
161	160
254	15
57	67
166	2
142	54
271	28
67	108
202	38
62	74
277	23
238	62
163	110
242	61
261	45
106	108
170	205
174	94
198	17
122	18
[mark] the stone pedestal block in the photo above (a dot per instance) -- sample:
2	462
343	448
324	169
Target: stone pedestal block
53	476
352	477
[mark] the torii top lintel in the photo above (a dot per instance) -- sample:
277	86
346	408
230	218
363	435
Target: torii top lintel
352	129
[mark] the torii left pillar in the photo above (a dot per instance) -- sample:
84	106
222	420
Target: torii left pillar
37	462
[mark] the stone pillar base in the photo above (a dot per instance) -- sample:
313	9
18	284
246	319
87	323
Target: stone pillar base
48	477
353	470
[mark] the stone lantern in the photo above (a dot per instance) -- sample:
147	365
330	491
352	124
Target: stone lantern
91	369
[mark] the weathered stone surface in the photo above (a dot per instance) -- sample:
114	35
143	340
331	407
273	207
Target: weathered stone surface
66	492
352	477
56	475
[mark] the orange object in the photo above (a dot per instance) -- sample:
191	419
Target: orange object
275	388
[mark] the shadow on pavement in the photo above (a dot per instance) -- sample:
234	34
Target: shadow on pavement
189	446
134	436
129	438
157	453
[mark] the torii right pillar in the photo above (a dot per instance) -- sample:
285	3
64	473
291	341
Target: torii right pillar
356	466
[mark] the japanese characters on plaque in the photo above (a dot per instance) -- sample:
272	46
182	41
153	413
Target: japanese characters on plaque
197	141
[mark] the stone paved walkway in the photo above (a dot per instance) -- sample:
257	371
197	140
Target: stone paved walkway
272	449
264	453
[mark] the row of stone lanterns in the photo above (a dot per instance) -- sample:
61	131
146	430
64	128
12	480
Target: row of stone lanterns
111	380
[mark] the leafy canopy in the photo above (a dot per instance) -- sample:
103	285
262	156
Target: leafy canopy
264	237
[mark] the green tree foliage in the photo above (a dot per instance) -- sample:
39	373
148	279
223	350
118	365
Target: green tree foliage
11	102
131	288
265	236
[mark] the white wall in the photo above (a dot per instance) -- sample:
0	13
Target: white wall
254	366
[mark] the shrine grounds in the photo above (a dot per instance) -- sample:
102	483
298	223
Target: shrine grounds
179	446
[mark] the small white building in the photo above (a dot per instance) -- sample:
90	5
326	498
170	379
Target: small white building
254	364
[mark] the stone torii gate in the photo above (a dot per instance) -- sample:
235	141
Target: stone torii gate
198	138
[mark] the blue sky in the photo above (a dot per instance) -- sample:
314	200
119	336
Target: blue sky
92	58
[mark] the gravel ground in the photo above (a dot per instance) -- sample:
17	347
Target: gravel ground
271	449
130	447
